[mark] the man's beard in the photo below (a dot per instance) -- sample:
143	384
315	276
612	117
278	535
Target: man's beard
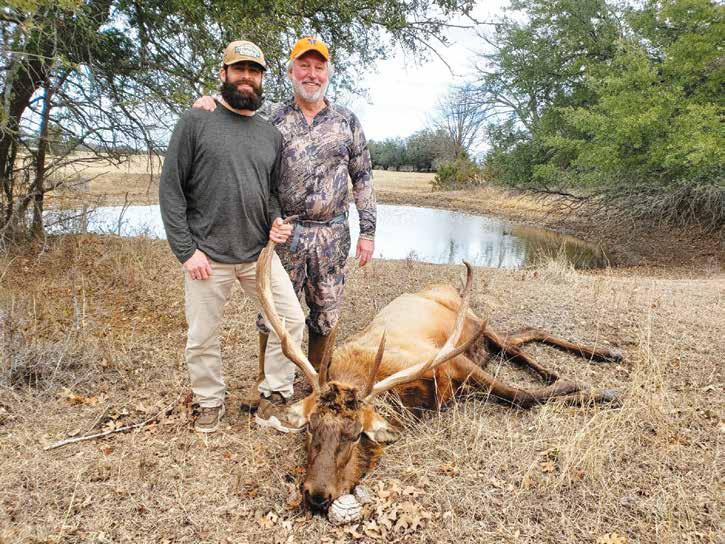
242	100
306	95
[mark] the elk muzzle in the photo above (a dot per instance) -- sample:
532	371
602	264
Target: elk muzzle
317	497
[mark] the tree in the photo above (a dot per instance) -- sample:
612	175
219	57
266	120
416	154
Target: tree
653	143
113	73
460	118
613	108
538	57
427	147
388	154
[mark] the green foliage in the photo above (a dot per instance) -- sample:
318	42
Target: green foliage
421	151
636	125
460	173
388	154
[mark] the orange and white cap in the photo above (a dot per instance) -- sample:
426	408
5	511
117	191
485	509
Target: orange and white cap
309	43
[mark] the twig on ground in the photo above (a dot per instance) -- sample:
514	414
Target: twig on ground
119	430
97	420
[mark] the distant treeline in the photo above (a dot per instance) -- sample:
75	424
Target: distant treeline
421	152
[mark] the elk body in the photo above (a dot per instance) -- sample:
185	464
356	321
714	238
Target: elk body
424	346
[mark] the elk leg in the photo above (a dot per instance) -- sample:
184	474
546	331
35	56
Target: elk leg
464	370
517	355
587	352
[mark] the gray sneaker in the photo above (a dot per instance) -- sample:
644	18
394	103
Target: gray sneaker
271	412
208	419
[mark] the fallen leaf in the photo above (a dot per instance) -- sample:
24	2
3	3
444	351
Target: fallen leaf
268	521
76	399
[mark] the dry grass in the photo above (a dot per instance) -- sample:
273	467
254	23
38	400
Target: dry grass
93	334
402	182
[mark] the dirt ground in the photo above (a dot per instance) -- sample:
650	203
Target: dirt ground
92	333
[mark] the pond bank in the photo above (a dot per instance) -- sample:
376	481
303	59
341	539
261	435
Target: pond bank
634	248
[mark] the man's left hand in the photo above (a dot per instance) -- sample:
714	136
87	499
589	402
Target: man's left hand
281	231
364	251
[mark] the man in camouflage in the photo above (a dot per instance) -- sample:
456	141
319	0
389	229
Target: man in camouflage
323	144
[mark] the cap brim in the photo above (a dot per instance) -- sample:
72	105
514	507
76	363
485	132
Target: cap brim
262	66
309	49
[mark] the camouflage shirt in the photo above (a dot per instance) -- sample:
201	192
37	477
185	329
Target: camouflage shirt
316	161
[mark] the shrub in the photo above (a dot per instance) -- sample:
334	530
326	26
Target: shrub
461	173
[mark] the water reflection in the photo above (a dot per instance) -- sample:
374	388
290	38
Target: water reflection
422	234
442	236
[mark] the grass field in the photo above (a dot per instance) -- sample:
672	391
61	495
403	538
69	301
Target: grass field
92	333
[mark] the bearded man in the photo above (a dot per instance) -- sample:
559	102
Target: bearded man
219	202
323	144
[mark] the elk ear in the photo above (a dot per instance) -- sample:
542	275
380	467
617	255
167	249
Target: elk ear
377	428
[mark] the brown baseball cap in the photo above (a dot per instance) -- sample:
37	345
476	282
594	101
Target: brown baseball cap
242	50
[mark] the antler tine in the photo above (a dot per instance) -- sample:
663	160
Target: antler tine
291	350
327	357
447	352
375	367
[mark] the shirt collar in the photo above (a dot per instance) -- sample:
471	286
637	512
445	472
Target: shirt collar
292	104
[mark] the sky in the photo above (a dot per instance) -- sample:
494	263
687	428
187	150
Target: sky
403	94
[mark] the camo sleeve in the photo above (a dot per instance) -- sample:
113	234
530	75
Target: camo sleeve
361	174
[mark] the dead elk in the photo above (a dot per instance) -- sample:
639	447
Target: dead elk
424	346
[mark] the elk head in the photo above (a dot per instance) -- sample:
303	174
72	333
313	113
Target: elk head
344	432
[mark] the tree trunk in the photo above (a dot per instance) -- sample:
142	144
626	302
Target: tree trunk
19	89
36	229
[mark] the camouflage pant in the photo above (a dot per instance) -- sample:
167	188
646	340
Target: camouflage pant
316	263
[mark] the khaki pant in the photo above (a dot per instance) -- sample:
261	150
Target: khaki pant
205	300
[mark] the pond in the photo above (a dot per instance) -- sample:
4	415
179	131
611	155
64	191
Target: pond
404	232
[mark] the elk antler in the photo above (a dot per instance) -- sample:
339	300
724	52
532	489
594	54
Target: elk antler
327	357
447	352
375	367
291	350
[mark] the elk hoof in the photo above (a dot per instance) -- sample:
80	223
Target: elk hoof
615	355
345	509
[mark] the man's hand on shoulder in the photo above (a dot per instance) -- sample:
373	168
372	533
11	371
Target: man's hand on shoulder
280	231
206	103
198	266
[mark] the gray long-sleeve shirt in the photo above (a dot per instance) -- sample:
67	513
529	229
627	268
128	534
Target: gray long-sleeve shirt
218	187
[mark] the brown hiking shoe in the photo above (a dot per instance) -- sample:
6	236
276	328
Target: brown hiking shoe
272	413
208	419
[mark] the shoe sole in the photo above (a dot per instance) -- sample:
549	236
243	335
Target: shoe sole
276	424
207	430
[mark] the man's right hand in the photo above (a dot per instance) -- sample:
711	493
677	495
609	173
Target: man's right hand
206	103
198	266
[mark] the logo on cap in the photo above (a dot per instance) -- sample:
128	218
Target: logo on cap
248	51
